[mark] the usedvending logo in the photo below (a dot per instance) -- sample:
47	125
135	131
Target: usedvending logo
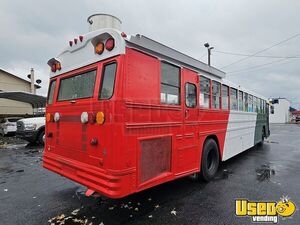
268	211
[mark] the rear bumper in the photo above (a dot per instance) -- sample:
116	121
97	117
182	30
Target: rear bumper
113	184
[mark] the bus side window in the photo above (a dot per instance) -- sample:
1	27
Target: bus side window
224	96
190	95
254	103
240	101
170	84
250	103
233	99
108	81
204	97
51	91
245	102
216	95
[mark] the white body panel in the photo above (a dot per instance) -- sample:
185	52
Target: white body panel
240	133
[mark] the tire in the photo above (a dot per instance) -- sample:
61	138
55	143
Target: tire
210	160
262	137
40	139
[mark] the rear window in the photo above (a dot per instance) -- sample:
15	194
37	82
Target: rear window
76	87
108	81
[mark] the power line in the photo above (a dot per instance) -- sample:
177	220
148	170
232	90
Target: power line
258	67
256	53
258	56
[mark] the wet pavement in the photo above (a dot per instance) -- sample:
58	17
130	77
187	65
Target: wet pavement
32	195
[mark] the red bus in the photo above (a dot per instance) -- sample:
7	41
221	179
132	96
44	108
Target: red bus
125	113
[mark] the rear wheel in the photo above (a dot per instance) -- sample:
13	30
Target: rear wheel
210	160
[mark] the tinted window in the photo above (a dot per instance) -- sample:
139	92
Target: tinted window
170	84
216	93
224	97
204	92
233	99
51	91
79	86
190	95
108	81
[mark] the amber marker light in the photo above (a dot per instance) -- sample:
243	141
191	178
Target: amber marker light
99	48
49	117
100	118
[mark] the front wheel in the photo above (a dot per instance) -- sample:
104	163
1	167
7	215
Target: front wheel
210	160
41	138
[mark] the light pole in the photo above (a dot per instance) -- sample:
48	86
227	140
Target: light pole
206	45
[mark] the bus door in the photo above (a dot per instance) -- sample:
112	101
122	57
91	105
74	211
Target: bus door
188	151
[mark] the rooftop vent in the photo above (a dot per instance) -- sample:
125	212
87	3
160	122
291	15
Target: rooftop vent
100	21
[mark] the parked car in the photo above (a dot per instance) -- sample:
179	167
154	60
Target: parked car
8	125
32	129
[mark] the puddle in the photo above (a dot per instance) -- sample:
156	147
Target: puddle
223	175
264	172
272	142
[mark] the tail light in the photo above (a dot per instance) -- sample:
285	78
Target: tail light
56	117
110	44
55	66
84	117
49	117
99	48
100	118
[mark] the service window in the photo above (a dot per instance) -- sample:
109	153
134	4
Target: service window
245	102
170	84
204	97
77	87
233	99
241	101
51	91
216	95
224	96
190	95
250	104
108	81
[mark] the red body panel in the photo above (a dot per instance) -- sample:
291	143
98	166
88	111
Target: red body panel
124	161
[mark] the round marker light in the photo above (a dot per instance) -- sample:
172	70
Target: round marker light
100	118
49	117
110	44
84	117
99	48
56	117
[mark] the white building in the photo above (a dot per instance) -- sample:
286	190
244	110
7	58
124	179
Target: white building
281	110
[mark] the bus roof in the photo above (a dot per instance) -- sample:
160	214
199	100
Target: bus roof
82	54
164	52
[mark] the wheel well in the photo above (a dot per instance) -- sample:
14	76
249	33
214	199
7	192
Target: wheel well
40	130
215	138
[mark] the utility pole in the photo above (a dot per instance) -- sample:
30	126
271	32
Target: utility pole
32	81
206	45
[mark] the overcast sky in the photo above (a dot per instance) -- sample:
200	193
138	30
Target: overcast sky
34	31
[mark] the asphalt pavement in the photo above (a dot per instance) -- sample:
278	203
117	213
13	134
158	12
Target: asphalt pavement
32	195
